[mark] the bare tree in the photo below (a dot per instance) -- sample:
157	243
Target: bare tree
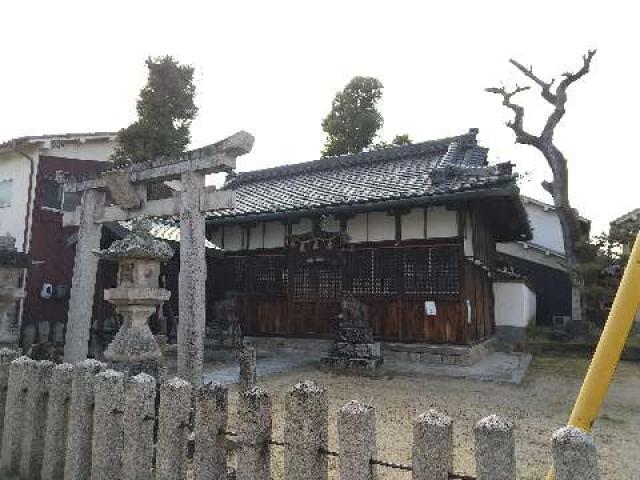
544	142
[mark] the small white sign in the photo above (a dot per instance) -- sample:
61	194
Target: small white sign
430	308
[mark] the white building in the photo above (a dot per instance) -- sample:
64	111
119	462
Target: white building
541	261
19	163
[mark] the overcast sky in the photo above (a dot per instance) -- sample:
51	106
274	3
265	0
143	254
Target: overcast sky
272	68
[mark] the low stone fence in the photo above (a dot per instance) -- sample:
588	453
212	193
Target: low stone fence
84	421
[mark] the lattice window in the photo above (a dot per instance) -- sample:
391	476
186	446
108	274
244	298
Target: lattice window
394	271
268	274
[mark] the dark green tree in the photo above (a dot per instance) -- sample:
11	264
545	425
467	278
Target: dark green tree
601	263
354	119
398	140
165	110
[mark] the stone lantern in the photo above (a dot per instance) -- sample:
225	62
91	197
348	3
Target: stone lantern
12	265
134	348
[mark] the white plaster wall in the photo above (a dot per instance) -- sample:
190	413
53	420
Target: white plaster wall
468	236
12	218
256	237
441	223
357	228
305	225
216	237
232	238
331	224
90	150
515	304
274	233
380	227
545	224
413	224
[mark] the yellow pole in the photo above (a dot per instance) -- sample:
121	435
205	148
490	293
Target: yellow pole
614	336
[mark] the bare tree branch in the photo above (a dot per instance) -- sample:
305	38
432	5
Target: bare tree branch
545	86
569	77
517	124
559	186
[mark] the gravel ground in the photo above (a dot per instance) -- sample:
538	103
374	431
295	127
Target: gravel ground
540	404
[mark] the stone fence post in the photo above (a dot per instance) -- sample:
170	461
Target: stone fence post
55	439
35	419
357	432
108	440
6	357
14	414
574	455
139	419
254	435
173	429
212	413
78	457
495	449
247	361
306	432
432	450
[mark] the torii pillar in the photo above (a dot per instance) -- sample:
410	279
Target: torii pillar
127	189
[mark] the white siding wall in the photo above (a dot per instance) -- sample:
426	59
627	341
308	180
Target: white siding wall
441	223
380	227
274	233
233	238
256	237
15	168
468	236
413	224
357	228
547	231
305	225
331	224
363	227
515	304
90	150
216	237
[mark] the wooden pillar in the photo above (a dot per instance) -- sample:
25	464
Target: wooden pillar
192	291
84	278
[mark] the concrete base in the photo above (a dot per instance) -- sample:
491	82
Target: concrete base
462	355
417	352
511	334
361	366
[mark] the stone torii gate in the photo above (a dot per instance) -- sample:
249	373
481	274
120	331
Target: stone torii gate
127	189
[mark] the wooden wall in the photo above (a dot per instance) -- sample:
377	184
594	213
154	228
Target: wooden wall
286	292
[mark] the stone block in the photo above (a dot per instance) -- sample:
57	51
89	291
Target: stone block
495	449
19	374
55	441
247	361
35	419
173	429
212	414
108	433
139	420
79	438
254	435
432	452
357	432
7	356
574	455
306	432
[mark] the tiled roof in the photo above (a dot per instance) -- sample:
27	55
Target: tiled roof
446	166
165	230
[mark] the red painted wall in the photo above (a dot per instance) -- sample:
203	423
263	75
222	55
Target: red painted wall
52	246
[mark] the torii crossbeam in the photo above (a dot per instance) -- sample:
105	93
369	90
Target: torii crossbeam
127	188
